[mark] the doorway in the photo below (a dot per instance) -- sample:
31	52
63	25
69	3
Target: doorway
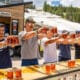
6	21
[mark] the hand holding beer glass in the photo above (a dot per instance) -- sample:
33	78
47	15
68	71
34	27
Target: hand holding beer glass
54	30
43	30
71	40
12	40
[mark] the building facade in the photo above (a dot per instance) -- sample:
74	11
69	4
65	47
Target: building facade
11	1
12	16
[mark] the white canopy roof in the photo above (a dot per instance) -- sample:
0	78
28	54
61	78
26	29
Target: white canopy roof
53	20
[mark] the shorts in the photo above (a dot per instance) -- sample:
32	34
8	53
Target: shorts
28	62
63	59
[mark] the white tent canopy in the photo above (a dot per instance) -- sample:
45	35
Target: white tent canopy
53	20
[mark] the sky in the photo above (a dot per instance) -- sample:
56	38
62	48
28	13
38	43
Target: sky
75	3
39	3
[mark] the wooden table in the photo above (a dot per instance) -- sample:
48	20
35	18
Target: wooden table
39	73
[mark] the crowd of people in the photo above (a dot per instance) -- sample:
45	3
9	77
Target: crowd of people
28	39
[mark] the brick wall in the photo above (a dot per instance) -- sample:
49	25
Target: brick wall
17	12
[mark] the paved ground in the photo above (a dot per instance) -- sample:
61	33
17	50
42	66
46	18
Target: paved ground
17	61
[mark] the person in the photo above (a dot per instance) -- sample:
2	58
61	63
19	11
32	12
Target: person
5	60
29	43
77	51
42	30
77	46
49	48
65	52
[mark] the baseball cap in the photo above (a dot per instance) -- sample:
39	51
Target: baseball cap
65	32
30	19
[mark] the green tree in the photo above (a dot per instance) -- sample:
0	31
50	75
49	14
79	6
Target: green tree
69	13
45	6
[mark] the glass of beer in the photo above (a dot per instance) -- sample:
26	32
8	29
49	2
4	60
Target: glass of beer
71	63
47	69
73	35
54	30
64	35
53	67
10	74
17	40
18	73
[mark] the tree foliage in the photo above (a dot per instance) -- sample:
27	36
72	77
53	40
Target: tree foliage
70	13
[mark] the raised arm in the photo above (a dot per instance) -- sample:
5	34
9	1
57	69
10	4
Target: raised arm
28	35
51	41
40	35
42	32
